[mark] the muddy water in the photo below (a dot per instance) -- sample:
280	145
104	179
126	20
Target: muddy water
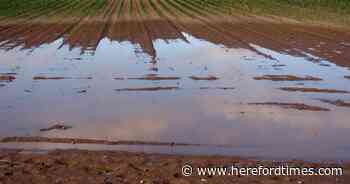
219	114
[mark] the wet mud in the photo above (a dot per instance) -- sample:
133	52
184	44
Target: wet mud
205	78
296	106
58	78
23	166
312	90
143	22
7	78
287	78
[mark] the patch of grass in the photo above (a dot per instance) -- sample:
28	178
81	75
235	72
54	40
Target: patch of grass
9	8
332	11
143	8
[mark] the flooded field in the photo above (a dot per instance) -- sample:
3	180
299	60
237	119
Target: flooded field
173	77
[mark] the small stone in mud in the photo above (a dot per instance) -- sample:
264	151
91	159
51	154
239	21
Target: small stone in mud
287	78
210	77
312	90
56	127
339	103
297	106
7	78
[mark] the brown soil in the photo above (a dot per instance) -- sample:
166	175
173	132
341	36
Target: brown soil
210	77
7	78
107	167
339	103
150	88
143	22
287	78
86	141
297	106
312	90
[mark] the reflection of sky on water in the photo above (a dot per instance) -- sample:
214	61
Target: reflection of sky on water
191	115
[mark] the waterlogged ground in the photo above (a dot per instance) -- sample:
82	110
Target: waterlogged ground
248	86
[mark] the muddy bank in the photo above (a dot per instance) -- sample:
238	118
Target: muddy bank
73	166
207	78
287	78
312	90
58	78
296	106
7	78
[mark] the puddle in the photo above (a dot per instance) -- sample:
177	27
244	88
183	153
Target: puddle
203	88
